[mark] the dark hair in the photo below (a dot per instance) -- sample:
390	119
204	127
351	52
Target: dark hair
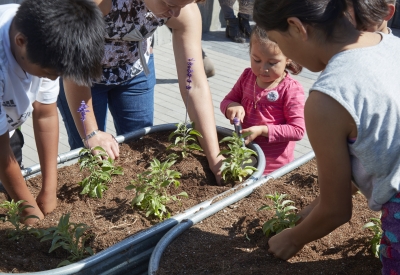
262	37
64	35
324	15
369	13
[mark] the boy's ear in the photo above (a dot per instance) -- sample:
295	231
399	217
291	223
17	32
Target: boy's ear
20	40
391	10
297	29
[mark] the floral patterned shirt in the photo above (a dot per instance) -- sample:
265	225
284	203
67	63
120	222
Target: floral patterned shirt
121	60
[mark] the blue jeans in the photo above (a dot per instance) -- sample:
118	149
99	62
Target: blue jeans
131	104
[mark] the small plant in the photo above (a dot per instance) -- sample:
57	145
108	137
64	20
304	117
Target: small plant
375	226
183	136
14	216
71	237
151	186
101	168
284	215
234	165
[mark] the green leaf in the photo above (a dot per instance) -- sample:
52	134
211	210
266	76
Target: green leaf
195	133
183	194
130	187
89	250
138	199
288	208
64	263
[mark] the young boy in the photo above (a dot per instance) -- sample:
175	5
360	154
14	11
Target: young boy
39	41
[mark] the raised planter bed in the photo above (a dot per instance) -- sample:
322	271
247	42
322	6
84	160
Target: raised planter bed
231	241
132	253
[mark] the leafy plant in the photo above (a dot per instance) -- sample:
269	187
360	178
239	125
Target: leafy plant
234	165
375	226
70	236
101	168
284	215
14	216
185	139
151	188
184	134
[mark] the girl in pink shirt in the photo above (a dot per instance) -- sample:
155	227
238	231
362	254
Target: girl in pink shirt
268	101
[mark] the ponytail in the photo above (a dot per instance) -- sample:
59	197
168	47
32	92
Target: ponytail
368	14
294	67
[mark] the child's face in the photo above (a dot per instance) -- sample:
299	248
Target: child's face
166	8
303	52
267	61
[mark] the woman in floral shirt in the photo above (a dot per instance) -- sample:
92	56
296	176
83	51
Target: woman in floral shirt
127	84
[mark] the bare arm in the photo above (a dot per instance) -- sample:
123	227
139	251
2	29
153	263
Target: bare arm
12	180
45	126
75	94
187	44
328	126
104	5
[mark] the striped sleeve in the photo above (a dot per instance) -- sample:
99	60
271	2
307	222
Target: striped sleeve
236	94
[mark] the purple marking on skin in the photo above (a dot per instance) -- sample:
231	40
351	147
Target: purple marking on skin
83	109
188	82
189	74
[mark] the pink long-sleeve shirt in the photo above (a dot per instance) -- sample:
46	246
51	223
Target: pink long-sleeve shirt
280	108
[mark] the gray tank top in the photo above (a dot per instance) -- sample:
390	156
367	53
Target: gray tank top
366	82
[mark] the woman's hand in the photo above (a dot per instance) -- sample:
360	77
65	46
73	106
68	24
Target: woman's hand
235	110
106	141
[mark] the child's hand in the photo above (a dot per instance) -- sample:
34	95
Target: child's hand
47	201
255	132
235	110
282	246
31	211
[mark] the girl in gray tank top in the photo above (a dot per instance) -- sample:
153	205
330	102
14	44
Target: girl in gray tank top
356	98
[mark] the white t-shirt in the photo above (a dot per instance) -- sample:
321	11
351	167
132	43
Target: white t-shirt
18	90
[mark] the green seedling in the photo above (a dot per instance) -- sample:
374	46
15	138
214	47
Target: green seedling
14	216
237	156
375	226
101	168
70	236
151	188
284	214
185	139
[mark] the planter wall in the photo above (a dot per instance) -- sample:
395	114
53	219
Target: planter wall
132	254
205	213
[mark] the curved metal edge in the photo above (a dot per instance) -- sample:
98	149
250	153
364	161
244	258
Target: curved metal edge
212	209
74	154
102	256
164	242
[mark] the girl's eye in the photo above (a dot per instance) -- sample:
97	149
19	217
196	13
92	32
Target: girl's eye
272	64
257	61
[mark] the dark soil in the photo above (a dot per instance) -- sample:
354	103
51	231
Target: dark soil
232	241
111	218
